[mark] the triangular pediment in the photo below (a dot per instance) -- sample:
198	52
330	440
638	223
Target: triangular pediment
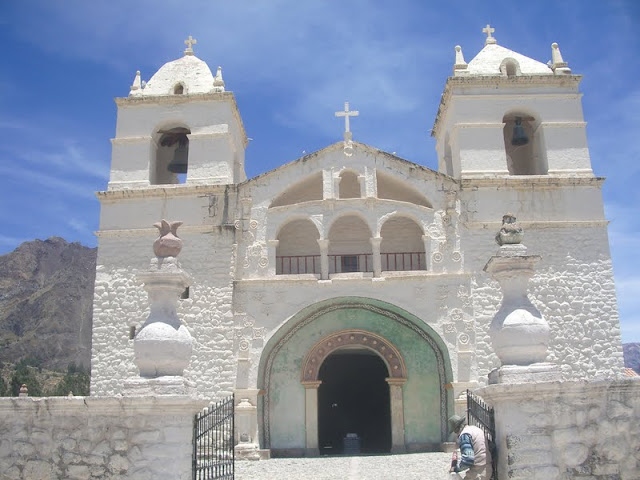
304	178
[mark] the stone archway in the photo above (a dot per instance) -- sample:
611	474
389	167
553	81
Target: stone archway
354	338
282	409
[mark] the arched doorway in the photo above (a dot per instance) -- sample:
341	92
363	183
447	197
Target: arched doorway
416	359
353	399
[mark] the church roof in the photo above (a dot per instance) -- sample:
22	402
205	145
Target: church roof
188	74
492	56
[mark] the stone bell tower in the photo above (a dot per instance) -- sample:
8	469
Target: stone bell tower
179	127
506	114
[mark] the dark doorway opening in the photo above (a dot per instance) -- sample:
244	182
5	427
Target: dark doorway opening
354	398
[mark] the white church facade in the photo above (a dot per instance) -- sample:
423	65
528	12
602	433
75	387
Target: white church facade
345	292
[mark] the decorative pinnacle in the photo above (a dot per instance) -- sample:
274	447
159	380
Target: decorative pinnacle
218	81
460	63
189	42
137	84
488	30
557	62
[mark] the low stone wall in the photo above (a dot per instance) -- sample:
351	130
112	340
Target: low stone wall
96	437
570	430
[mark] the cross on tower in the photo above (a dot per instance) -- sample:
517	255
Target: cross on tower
190	42
346	114
488	30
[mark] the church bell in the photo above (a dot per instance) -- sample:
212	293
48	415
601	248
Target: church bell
180	159
519	135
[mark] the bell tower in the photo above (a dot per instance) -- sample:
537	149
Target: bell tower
180	127
504	114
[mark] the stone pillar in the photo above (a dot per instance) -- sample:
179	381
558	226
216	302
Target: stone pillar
377	261
271	255
519	333
311	416
427	252
324	258
397	414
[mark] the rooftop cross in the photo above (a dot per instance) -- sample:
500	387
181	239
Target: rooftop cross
346	114
190	42
488	30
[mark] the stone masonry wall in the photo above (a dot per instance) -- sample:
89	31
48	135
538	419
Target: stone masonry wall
120	302
565	431
573	288
96	438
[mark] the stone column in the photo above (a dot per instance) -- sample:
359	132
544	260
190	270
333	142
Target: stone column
324	258
397	414
426	239
271	254
377	261
311	416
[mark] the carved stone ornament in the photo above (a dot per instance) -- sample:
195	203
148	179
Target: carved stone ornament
168	244
511	233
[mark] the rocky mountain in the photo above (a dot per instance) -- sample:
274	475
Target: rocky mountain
632	356
46	295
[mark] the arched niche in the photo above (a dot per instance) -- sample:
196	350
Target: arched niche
298	250
402	247
171	156
306	190
349	186
392	188
523	143
510	67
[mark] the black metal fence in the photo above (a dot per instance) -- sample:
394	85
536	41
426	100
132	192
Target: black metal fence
213	442
483	416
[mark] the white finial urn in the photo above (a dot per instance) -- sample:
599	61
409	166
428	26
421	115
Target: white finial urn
519	333
163	345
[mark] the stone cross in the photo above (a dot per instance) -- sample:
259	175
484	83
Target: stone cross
488	30
346	114
190	42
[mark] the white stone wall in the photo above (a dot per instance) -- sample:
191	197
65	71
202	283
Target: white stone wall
103	438
566	431
574	290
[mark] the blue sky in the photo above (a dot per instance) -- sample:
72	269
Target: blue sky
291	64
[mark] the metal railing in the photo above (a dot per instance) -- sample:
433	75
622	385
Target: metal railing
353	262
403	261
213	442
483	417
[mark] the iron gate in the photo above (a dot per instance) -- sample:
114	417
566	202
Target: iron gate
482	416
213	442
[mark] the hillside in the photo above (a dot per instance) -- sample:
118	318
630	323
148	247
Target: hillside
46	295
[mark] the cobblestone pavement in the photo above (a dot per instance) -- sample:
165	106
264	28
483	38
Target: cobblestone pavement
414	466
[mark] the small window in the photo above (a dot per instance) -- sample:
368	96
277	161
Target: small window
349	263
178	89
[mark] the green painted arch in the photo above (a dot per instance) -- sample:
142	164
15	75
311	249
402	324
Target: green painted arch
391	314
